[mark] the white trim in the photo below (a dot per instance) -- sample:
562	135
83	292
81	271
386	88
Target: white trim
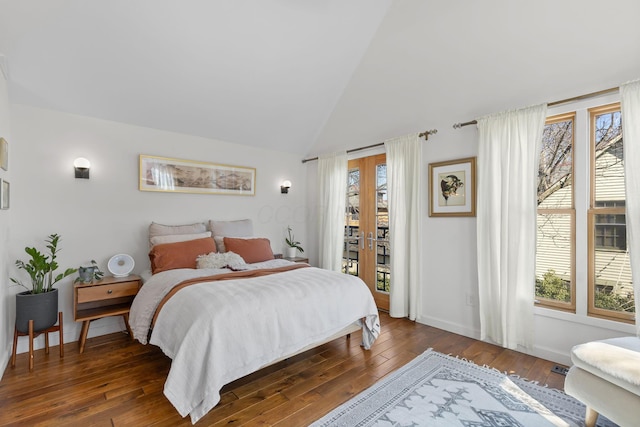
4	360
456	328
585	320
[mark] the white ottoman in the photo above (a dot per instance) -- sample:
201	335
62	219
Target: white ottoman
605	376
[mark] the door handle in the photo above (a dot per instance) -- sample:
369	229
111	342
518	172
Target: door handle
371	239
360	239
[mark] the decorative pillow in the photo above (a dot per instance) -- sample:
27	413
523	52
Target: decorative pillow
169	256
220	242
221	260
251	250
156	229
239	228
173	238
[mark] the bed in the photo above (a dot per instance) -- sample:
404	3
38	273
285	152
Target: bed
230	318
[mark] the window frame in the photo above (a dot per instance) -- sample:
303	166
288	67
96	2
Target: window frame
547	302
594	210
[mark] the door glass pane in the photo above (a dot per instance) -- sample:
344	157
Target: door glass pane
352	223
382	224
553	257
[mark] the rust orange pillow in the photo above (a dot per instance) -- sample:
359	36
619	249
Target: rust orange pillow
169	256
251	250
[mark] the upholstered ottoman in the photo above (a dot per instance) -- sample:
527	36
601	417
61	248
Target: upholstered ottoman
605	376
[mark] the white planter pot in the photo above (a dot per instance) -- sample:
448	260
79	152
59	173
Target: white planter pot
291	252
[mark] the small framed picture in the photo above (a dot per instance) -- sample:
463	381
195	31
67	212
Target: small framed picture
452	188
4	154
4	194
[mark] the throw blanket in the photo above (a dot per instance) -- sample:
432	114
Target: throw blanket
219	331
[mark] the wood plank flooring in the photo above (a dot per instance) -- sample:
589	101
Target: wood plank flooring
119	382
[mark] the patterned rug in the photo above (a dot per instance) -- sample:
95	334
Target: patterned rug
439	390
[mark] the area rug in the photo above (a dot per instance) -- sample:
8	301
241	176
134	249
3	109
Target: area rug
439	390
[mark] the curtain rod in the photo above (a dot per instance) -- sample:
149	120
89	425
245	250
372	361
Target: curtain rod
551	104
426	134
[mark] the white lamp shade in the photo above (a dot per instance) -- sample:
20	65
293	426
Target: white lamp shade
286	183
82	163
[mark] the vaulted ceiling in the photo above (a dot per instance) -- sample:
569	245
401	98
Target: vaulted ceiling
310	75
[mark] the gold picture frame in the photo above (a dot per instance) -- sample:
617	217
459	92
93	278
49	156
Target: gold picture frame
452	188
191	176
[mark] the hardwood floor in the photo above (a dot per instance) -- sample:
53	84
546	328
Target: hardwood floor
119	382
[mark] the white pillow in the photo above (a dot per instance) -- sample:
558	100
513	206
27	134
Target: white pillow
156	229
174	238
239	228
221	260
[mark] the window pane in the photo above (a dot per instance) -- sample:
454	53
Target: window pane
611	230
554	257
613	287
556	166
609	173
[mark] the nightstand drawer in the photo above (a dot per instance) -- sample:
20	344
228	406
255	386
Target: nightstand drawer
104	292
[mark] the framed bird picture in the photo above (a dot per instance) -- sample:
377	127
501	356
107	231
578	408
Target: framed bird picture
452	188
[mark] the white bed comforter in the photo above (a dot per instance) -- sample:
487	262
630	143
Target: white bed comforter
219	331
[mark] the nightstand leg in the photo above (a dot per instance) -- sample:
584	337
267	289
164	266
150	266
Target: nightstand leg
83	334
126	323
30	345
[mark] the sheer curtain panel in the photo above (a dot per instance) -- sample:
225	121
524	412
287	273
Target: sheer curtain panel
630	105
508	156
332	193
404	156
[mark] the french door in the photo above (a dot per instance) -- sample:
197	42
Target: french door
366	237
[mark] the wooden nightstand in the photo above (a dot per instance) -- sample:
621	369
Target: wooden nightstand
111	296
297	259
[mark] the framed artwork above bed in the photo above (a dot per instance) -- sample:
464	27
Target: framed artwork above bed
192	176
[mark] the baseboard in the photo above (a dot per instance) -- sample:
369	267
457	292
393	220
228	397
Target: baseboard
456	328
537	351
551	354
4	361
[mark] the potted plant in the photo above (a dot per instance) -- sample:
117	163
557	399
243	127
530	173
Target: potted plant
40	300
293	246
89	274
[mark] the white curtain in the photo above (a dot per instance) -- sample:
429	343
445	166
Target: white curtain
332	197
508	156
404	157
630	100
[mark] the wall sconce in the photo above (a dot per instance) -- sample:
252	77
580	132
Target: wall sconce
284	188
81	166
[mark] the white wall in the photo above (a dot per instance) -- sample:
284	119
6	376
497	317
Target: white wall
433	64
7	305
107	214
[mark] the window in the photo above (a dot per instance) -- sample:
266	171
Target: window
610	230
610	287
596	197
556	215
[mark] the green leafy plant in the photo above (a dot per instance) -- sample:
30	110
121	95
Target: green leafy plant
291	241
553	287
41	267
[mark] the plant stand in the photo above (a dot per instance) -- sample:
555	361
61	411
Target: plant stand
33	334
